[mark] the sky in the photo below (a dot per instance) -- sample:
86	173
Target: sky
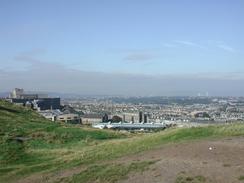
129	47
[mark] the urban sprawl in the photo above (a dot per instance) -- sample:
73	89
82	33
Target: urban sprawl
134	113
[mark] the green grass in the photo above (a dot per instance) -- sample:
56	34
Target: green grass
108	173
241	178
24	158
54	146
190	179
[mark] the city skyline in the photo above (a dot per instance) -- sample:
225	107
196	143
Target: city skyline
125	48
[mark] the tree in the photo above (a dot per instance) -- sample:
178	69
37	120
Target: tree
116	119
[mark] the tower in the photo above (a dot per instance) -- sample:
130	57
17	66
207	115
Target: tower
145	118
140	116
17	92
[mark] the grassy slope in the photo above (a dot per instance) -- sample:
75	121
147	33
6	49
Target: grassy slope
46	145
54	146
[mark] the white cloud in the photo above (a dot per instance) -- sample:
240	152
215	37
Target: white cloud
169	45
222	45
226	48
188	43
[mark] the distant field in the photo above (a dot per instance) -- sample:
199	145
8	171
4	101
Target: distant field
79	154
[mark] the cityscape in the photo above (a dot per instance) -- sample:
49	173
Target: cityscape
130	111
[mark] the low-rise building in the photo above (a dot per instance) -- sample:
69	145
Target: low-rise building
89	119
69	118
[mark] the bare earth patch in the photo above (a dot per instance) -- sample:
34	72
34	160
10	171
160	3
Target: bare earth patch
208	161
216	161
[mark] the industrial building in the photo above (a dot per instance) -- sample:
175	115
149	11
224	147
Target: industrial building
36	101
47	103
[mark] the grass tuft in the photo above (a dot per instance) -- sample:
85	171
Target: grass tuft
241	178
190	179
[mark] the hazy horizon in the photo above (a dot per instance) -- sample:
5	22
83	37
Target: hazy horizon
129	48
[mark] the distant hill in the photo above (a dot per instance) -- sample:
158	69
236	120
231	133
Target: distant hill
4	94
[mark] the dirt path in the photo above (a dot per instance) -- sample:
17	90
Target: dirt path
217	161
214	161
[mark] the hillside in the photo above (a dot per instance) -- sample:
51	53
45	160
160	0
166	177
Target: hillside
28	142
33	149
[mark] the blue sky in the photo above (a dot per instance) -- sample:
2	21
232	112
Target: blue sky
135	37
